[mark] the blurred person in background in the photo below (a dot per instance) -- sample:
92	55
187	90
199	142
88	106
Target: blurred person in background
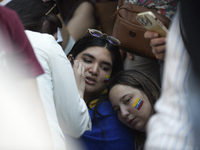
61	94
23	119
176	123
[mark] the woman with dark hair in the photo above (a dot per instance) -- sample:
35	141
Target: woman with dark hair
37	16
101	59
57	87
133	95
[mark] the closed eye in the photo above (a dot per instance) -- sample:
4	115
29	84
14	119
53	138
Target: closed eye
127	101
87	60
104	68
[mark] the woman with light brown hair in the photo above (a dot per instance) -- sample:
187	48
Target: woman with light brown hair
133	95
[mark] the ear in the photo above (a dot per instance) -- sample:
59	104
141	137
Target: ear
45	27
70	57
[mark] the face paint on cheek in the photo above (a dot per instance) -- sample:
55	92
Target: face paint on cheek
107	78
138	103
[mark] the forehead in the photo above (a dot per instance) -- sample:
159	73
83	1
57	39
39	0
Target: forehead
97	52
119	91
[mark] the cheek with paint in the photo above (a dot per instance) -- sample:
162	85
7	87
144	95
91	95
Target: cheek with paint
107	79
138	104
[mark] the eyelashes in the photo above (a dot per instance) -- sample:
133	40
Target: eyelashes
102	66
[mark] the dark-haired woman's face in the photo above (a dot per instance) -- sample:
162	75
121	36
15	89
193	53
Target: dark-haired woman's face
98	64
132	106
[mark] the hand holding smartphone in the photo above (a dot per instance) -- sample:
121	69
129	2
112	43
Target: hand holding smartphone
151	23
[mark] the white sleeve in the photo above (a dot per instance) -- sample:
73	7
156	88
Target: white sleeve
60	39
72	112
4	2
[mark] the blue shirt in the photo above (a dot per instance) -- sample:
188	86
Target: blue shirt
116	135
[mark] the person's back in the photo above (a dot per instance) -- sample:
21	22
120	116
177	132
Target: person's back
57	92
43	44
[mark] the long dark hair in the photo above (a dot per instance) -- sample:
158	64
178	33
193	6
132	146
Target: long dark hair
89	41
143	82
33	15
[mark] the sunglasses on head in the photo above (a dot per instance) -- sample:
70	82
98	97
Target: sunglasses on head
110	39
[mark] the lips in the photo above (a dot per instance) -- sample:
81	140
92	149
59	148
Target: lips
90	80
132	121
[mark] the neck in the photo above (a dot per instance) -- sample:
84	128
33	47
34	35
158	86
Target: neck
87	96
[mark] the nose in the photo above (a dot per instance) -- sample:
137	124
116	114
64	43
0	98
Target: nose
94	69
124	112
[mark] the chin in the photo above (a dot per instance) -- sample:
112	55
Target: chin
141	129
89	89
132	127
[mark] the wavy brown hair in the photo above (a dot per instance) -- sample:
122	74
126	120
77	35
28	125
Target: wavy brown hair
144	82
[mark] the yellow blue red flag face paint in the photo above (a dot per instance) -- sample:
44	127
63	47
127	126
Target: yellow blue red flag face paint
138	103
107	78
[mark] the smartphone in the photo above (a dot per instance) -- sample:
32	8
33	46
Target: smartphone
151	23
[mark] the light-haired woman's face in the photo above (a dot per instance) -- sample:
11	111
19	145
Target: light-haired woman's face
132	106
98	64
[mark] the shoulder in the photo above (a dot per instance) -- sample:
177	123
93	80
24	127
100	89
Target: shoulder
10	21
37	36
4	11
105	110
46	47
18	42
43	41
8	16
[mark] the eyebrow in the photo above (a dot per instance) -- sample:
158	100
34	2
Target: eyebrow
92	57
89	55
120	100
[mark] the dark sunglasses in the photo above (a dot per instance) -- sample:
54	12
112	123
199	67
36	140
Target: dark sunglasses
110	39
